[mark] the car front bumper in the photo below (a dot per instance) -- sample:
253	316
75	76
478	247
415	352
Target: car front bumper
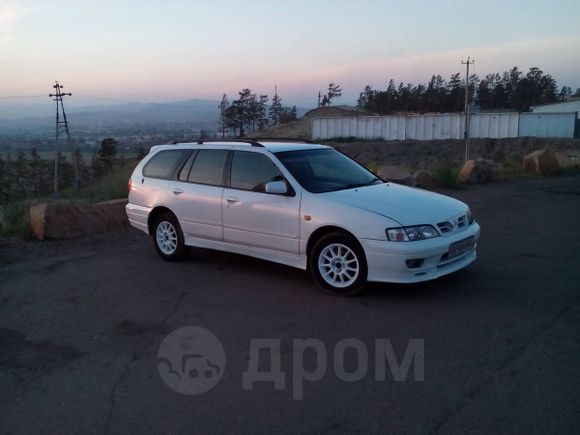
386	260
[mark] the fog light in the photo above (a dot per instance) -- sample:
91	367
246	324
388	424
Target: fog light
414	263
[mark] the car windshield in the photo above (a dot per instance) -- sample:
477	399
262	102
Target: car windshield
325	170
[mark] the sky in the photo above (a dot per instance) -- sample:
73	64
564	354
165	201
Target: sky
165	50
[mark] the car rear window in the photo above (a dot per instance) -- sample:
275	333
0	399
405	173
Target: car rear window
162	164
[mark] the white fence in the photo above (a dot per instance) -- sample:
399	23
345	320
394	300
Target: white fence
547	124
447	126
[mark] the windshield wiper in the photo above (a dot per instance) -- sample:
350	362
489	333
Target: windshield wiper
355	185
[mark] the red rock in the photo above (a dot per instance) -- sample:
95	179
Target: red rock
60	220
541	162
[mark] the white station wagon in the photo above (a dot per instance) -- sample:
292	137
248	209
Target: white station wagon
300	204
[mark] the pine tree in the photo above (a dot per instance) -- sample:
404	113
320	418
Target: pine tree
262	118
334	91
275	109
223	106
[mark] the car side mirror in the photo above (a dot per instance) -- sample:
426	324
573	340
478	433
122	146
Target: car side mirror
276	187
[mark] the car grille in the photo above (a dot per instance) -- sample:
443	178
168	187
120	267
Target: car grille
453	225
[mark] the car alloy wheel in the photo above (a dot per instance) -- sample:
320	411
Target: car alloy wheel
338	265
166	236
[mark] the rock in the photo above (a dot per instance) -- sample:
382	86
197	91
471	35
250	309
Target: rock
488	162
567	159
541	162
476	172
396	175
60	221
424	179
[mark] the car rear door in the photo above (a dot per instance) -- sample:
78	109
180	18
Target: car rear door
197	194
253	217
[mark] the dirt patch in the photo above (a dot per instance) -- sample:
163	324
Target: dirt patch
424	154
301	128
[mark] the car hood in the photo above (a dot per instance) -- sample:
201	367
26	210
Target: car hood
406	205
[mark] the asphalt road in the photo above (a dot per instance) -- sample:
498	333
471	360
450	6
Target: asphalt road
81	322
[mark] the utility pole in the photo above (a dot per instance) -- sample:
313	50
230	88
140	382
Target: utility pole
466	131
58	97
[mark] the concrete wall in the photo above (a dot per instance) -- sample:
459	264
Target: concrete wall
547	124
446	126
494	125
428	127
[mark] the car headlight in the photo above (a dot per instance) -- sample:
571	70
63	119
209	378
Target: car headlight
470	218
411	234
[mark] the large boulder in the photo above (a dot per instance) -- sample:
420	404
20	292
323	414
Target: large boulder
476	172
396	175
541	162
61	220
424	179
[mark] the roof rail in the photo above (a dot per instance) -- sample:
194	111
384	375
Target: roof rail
283	139
251	142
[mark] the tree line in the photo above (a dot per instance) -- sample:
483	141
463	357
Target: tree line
28	175
251	112
511	90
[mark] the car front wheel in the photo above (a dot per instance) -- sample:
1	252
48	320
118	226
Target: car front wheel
168	238
338	264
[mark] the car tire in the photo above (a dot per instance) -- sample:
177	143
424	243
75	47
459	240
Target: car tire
338	264
168	238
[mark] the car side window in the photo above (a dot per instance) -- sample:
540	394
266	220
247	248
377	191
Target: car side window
162	164
208	167
251	171
184	173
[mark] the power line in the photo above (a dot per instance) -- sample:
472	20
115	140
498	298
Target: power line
18	97
58	97
466	132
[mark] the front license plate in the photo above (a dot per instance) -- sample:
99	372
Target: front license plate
462	246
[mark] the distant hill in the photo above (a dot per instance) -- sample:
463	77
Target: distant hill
195	113
301	129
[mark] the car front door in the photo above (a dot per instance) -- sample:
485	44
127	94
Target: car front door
253	217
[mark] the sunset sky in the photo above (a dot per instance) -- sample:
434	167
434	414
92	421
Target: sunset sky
160	50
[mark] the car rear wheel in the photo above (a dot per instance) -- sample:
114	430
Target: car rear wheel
338	264
168	238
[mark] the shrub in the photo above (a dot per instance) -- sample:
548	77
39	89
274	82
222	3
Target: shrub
14	219
445	174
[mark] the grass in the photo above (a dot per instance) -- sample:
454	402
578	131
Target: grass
14	220
511	168
105	188
445	174
14	217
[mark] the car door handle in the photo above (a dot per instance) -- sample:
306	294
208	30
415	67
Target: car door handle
177	191
232	200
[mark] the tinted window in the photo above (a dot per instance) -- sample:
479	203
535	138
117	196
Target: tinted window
163	163
208	167
184	173
251	171
323	170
